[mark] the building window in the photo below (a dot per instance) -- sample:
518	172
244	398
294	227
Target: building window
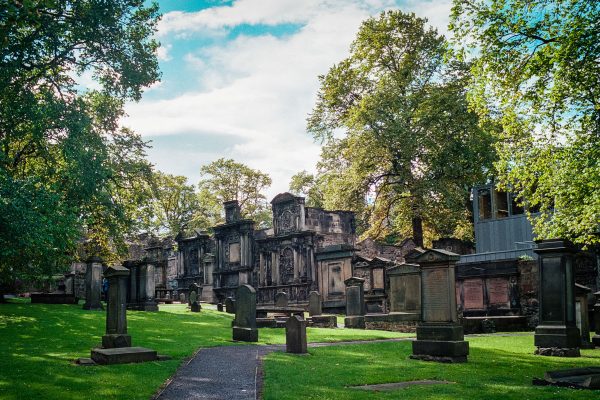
501	204
516	209
485	203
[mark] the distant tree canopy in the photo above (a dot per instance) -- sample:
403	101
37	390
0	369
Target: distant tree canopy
225	180
410	148
66	169
536	72
305	184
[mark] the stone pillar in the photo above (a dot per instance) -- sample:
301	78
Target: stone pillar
116	313
557	333
194	294
405	288
596	337
315	306
355	303
132	282
439	336
581	315
244	325
147	288
93	284
295	335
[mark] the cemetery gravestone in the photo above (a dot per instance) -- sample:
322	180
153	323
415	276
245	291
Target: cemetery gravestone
281	299
182	298
116	343
557	333
194	291
439	336
229	305
93	284
581	315
596	337
220	307
405	288
147	289
315	307
355	303
295	335
244	325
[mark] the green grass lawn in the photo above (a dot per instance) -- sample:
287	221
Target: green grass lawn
39	342
498	368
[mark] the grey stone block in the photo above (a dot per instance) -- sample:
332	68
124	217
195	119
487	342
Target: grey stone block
355	322
245	334
123	355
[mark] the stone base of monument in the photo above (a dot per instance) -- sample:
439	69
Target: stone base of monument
266	322
440	342
323	321
245	334
123	355
195	307
557	352
111	341
144	306
355	322
53	298
558	341
93	307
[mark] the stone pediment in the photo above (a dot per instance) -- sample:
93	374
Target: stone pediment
404	268
435	256
286	197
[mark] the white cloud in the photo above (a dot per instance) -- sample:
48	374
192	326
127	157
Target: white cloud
163	52
257	89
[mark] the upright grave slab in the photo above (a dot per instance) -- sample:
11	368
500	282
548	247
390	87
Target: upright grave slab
557	333
355	303
405	288
281	299
147	288
194	294
244	325
295	335
116	343
93	284
230	305
315	306
596	337
439	336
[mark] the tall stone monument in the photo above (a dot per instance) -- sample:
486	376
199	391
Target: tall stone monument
116	343
295	335
244	325
93	284
557	333
405	288
355	303
142	286
439	336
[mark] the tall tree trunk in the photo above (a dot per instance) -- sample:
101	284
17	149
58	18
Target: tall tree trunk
417	228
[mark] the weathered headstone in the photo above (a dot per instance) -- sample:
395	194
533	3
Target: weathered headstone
405	288
93	284
182	298
439	336
244	325
355	303
193	296
230	305
581	315
281	299
557	333
596	337
147	288
116	343
295	335
70	283
220	307
315	307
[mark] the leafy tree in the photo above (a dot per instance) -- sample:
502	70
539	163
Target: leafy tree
225	180
67	170
411	149
536	71
173	205
307	185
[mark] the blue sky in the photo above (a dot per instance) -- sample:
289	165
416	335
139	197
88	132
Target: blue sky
240	77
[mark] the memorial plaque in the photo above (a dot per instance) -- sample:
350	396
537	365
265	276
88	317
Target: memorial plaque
436	296
378	278
473	294
498	290
234	252
552	290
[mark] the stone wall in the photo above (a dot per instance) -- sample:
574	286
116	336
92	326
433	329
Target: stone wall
369	248
528	291
405	327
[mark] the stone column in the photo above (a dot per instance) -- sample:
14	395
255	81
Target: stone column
439	336
596	337
557	333
355	303
244	325
116	313
93	284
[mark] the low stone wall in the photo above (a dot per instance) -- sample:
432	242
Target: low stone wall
507	323
528	291
395	322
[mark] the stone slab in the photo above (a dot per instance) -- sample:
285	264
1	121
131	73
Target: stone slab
123	355
324	321
245	334
449	332
399	385
53	298
355	322
557	336
266	323
581	378
439	348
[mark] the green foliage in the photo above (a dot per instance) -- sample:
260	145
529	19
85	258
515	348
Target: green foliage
173	204
410	148
305	184
225	180
536	73
66	169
